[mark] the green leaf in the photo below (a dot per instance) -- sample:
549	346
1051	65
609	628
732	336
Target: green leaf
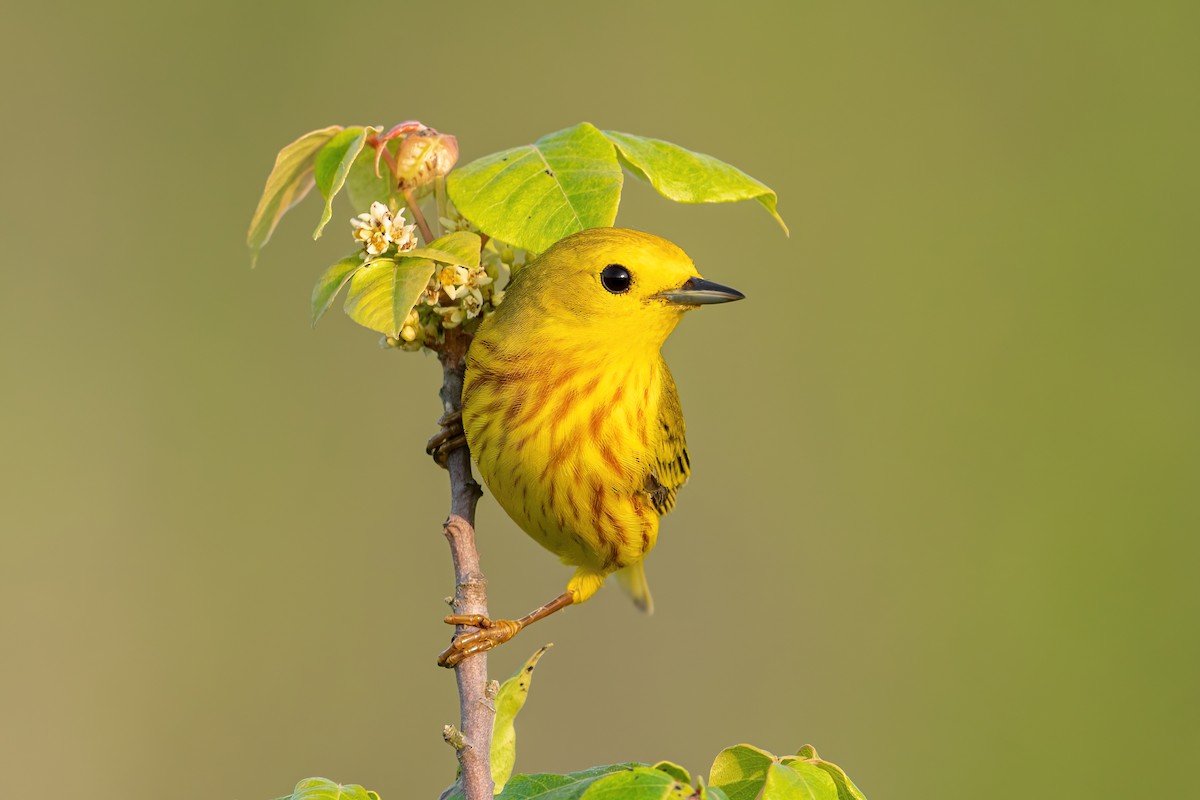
331	282
460	248
384	291
640	783
799	781
333	164
532	196
363	187
846	790
544	786
290	180
509	701
674	769
688	177
740	771
711	792
322	789
845	787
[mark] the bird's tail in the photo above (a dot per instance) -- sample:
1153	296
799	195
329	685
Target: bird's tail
633	580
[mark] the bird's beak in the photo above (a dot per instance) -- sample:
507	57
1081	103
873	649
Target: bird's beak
699	292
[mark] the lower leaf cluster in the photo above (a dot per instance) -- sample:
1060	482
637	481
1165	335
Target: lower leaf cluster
741	772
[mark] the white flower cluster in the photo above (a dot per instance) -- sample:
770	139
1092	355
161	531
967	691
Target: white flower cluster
456	296
467	290
379	231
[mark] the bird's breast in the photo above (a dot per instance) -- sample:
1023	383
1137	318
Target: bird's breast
563	441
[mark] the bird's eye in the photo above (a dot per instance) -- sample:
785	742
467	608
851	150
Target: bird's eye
616	278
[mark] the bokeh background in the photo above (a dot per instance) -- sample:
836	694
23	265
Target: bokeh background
944	514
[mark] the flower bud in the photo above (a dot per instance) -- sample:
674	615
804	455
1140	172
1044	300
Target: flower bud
424	156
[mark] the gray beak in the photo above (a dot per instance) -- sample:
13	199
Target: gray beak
699	292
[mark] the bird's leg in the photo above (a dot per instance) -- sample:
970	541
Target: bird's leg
493	632
448	439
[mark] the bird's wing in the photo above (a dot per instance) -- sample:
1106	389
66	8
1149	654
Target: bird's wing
670	465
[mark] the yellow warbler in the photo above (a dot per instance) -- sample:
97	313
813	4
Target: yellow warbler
572	415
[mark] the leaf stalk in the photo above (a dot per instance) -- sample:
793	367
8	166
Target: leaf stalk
410	200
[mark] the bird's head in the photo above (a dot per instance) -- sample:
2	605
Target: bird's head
628	286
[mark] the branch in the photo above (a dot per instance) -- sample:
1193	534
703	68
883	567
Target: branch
411	200
470	596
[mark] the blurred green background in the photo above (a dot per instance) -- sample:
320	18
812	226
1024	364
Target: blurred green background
944	513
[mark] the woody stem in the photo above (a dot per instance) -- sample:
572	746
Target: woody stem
470	596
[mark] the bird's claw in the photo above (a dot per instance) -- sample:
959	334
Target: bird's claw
492	632
448	439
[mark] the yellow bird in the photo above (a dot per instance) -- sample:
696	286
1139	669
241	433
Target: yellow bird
571	413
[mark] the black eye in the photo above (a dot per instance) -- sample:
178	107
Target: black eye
616	278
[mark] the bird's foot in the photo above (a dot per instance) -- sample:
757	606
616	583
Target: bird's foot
448	439
492	632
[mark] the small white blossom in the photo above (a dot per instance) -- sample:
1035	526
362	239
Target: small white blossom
404	236
496	267
477	278
452	316
374	229
471	302
453	280
432	293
